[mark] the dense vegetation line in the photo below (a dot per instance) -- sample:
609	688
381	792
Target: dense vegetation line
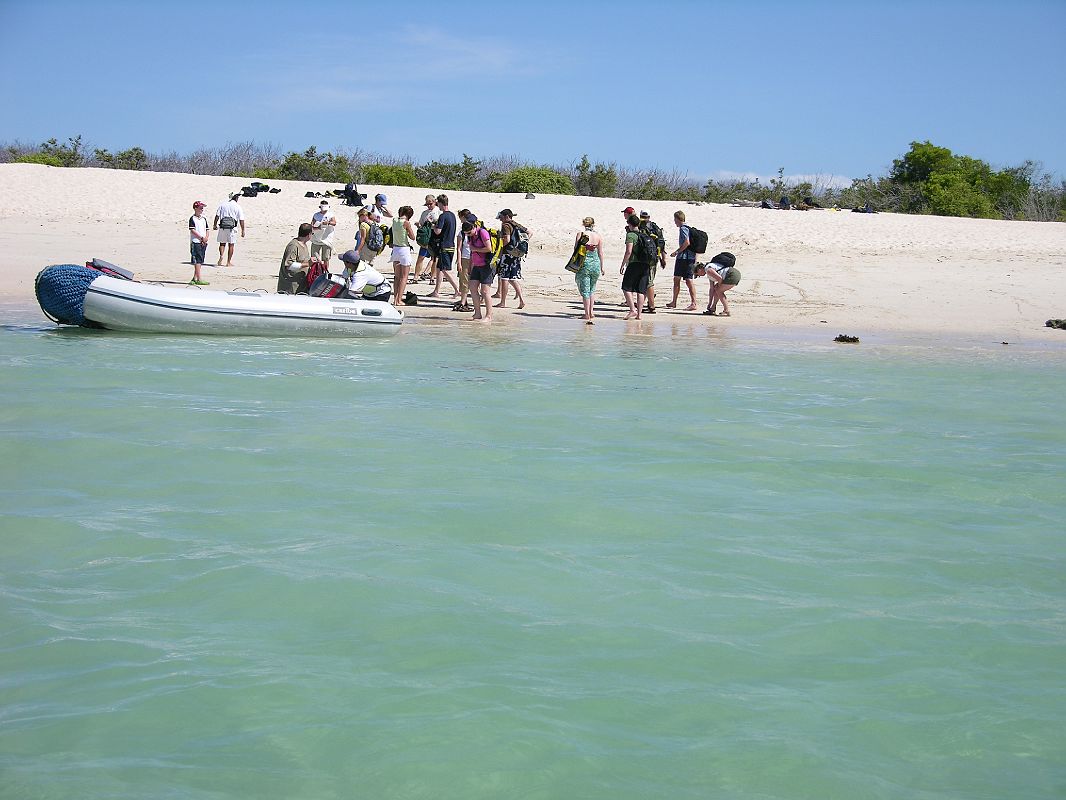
925	180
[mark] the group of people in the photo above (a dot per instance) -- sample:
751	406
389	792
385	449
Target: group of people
459	250
453	249
645	252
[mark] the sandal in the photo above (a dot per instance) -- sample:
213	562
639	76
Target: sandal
709	313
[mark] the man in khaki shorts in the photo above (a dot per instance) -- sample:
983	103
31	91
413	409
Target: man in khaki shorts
228	218
323	224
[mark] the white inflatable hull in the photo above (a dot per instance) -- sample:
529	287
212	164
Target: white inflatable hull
130	306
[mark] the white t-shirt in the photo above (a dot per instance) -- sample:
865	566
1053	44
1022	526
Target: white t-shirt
321	233
366	276
197	228
231	208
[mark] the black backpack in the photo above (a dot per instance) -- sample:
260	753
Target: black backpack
646	250
657	234
725	259
697	240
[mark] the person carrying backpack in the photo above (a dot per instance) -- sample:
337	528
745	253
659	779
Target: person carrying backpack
685	262
510	269
656	233
641	252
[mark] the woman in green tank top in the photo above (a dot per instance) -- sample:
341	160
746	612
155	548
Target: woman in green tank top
403	233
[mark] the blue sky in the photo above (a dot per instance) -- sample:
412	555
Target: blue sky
814	86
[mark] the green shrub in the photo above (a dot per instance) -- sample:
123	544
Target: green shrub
391	175
48	159
596	181
537	179
135	158
455	176
309	165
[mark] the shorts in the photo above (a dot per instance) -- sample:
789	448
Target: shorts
228	235
321	250
635	278
197	250
424	252
444	260
481	274
684	268
510	268
731	277
402	256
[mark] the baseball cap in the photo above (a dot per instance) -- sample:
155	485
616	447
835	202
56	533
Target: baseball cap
381	197
645	215
324	204
234	195
629	210
199	204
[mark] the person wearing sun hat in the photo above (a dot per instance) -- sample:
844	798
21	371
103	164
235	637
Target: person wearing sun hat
197	241
323	224
510	268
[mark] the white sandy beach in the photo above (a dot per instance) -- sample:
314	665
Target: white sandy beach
806	271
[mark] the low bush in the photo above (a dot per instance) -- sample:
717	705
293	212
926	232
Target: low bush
536	179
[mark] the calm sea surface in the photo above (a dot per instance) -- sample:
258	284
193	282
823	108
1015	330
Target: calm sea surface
535	563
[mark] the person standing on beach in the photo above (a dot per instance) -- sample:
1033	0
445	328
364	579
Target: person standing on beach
323	224
228	217
656	233
634	269
444	234
462	248
510	269
684	264
292	277
379	208
480	271
365	236
427	217
592	269
197	241
403	233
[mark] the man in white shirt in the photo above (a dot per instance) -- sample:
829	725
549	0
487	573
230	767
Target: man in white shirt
323	224
228	217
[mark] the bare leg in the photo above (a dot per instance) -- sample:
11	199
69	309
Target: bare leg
221	253
651	297
518	293
677	291
399	277
629	303
502	293
229	256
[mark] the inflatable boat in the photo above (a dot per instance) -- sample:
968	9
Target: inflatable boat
107	297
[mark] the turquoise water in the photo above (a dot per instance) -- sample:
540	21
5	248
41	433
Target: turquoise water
537	563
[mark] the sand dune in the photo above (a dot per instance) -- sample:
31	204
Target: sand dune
814	270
